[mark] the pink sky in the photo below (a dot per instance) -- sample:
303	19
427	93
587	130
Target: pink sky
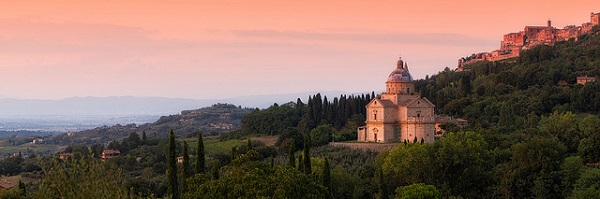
226	48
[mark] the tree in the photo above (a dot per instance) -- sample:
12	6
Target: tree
97	150
186	161
251	179
571	170
249	145
173	188
288	136
563	126
134	140
588	185
589	147
291	157
200	160
321	135
534	170
418	191
144	138
80	178
383	189
408	164
463	164
327	178
306	152
215	170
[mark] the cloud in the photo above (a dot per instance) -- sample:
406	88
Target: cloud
448	39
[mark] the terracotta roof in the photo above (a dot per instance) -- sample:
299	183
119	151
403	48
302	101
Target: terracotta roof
387	103
407	102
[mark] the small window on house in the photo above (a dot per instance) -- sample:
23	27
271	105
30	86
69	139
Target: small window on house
374	114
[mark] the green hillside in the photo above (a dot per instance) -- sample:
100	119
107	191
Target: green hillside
542	80
215	119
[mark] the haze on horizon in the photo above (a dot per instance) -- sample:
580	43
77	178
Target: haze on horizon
218	49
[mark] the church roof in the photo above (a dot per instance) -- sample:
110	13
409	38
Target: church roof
383	103
408	102
400	74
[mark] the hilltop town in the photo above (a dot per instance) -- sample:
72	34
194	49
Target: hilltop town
514	43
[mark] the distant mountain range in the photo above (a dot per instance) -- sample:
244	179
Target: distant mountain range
129	105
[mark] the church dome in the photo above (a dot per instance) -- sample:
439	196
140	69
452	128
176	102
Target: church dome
400	74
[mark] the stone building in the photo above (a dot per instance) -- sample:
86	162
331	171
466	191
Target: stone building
514	43
108	154
585	79
399	114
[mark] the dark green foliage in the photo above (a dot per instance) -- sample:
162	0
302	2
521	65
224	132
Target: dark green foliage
186	161
200	158
291	157
588	185
571	170
97	150
300	165
249	145
327	178
418	191
80	178
383	188
534	169
321	135
172	167
271	121
409	164
520	87
563	126
463	164
250	179
589	147
306	153
215	170
290	136
144	137
345	112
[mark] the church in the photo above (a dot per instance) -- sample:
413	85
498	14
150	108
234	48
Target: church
399	114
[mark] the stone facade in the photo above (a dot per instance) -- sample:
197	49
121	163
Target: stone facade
531	36
399	113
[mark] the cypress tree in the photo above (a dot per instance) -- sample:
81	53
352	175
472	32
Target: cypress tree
186	160
300	164
200	160
415	140
249	147
291	157
327	178
307	166
383	192
144	138
233	153
215	170
173	189
422	140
